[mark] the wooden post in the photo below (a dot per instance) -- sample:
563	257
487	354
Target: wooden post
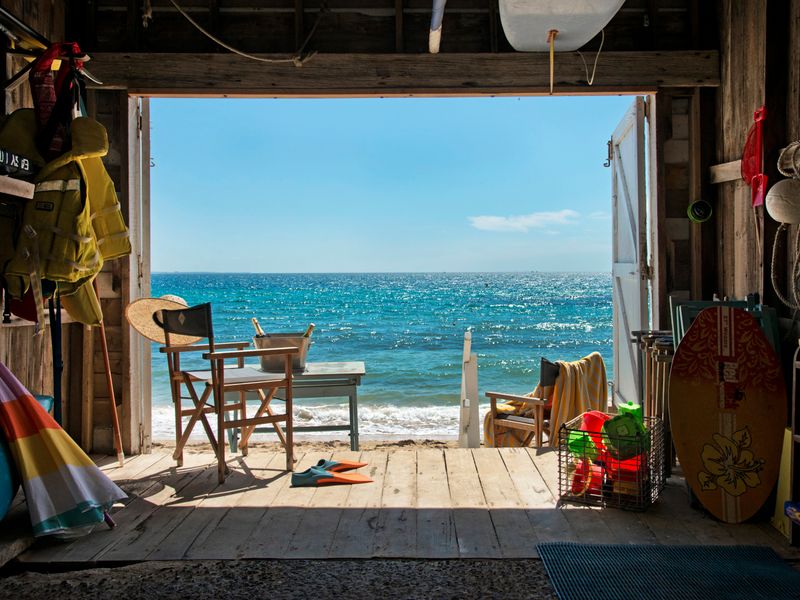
469	416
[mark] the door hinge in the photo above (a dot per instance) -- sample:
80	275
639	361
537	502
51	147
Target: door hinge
610	155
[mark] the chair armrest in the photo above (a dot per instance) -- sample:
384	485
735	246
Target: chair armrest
525	399
201	347
251	353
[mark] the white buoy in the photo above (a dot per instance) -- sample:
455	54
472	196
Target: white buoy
783	201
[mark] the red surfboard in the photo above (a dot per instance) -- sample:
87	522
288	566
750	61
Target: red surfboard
727	406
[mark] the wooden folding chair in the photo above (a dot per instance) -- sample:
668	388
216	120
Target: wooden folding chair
207	388
533	426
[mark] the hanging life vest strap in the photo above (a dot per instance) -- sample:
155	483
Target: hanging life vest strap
58	185
36	282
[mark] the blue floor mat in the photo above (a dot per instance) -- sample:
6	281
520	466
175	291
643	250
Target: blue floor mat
625	572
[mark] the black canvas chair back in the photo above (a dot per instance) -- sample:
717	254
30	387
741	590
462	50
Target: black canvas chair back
548	373
193	321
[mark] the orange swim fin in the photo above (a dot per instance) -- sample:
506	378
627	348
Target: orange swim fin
316	476
337	466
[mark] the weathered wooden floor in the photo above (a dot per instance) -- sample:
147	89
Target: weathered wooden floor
424	503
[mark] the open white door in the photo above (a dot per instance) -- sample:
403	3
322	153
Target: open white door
629	250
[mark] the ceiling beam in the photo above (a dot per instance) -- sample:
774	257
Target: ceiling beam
445	74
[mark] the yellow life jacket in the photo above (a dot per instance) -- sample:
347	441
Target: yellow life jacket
74	212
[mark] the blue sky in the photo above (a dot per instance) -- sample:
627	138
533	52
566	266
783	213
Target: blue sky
366	185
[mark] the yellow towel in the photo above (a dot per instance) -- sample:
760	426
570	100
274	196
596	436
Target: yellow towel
581	386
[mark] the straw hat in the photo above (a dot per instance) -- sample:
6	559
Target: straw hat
140	315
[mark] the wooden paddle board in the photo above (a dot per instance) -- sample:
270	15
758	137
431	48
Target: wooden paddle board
727	406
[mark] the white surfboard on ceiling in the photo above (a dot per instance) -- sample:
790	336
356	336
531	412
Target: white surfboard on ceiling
528	22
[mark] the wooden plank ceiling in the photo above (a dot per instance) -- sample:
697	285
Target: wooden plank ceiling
362	26
363	47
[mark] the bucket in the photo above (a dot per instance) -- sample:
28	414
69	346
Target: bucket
275	364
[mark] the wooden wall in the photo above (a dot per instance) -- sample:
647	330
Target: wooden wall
30	357
87	408
742	56
121	281
759	54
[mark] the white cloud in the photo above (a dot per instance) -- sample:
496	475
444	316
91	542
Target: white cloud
600	215
522	223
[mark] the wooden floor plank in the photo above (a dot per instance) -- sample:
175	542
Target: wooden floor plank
155	486
106	462
396	535
436	527
355	533
511	525
547	519
586	522
273	533
474	527
226	518
135	469
153	535
315	533
425	503
665	519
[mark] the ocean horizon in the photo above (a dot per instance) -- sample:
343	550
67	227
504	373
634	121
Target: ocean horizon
409	329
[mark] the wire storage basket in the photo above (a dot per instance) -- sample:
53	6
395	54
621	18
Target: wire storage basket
611	460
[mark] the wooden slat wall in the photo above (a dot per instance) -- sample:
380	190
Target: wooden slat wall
45	16
30	357
793	95
676	159
119	282
742	54
681	258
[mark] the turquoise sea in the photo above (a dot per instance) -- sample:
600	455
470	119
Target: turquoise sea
409	329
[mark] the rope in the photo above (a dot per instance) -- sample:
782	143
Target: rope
789	161
298	60
590	80
792	303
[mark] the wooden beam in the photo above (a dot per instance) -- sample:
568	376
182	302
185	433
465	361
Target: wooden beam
399	42
493	27
299	24
729	171
213	23
179	74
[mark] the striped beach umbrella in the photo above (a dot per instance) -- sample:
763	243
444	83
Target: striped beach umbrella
66	493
